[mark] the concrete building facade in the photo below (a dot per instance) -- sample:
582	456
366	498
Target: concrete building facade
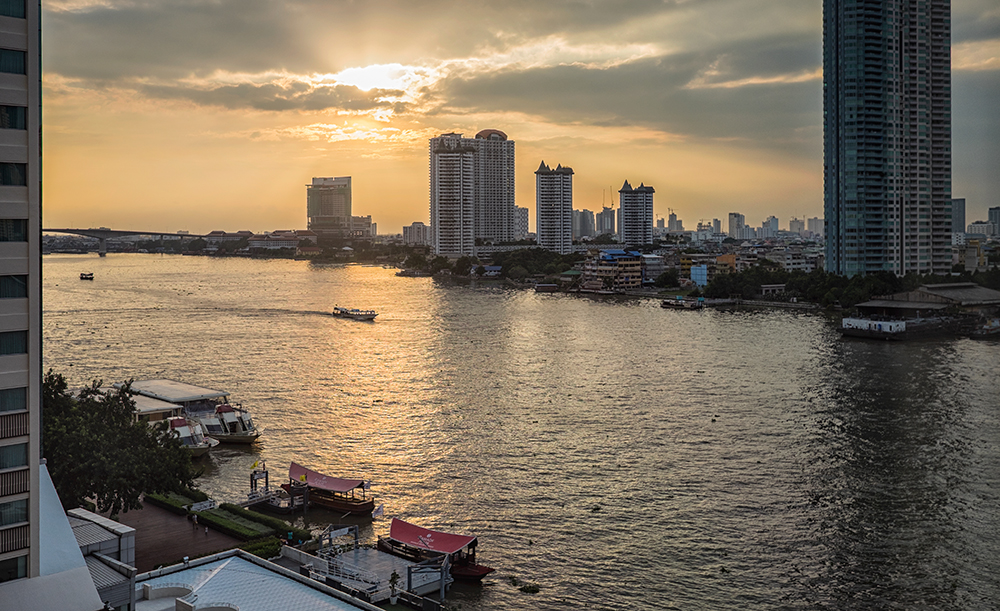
554	208
635	214
328	206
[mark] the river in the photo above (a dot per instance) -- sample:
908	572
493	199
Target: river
616	454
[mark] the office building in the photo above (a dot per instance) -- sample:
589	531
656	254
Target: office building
472	191
887	136
328	206
958	215
605	221
635	214
554	208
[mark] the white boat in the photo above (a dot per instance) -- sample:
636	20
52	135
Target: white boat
191	436
210	408
354	313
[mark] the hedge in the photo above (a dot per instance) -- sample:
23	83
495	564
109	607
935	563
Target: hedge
172	502
280	526
265	548
222	522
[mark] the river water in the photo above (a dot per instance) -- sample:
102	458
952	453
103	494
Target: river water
618	455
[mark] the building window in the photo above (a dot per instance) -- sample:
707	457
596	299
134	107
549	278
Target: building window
14	512
12	8
13	174
13	456
14	342
13	230
13	568
13	117
13	287
13	399
12	62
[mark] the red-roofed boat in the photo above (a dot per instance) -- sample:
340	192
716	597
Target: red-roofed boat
418	544
331	492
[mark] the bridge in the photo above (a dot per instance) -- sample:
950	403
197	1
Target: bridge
103	234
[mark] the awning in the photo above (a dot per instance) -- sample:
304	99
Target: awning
423	538
323	482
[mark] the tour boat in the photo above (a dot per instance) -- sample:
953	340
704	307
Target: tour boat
86	275
330	492
191	436
418	544
210	408
354	313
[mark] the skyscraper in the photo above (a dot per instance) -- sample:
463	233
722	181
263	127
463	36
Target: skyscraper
486	210
554	208
958	215
635	214
993	216
328	206
887	135
737	222
605	220
521	214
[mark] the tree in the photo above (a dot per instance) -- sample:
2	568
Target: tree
95	448
667	278
463	266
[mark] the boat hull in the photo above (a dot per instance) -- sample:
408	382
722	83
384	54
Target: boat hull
243	438
464	571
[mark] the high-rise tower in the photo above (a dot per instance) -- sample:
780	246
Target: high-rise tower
635	214
887	135
554	208
484	208
328	206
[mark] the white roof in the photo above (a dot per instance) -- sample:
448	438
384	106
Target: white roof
245	585
174	391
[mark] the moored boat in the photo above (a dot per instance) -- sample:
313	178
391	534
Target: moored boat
332	493
86	275
221	420
683	304
354	313
191	436
418	544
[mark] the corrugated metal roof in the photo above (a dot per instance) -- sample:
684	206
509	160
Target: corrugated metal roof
966	293
103	575
88	533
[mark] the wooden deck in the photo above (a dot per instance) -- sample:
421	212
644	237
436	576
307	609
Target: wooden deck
162	537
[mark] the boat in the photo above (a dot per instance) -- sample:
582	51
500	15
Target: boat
273	500
332	493
418	544
683	304
191	436
354	313
221	420
86	275
991	328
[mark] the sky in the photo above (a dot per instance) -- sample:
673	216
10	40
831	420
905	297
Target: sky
199	115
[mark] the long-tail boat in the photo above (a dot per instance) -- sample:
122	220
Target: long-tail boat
331	492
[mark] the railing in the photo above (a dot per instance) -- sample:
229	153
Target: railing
14	482
13	425
15	538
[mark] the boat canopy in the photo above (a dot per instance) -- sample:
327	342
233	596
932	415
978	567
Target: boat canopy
423	538
174	391
317	480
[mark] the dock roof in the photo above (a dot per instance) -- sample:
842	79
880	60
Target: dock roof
176	392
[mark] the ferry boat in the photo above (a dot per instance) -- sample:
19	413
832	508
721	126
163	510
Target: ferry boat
683	304
418	544
354	313
330	492
191	436
210	408
86	275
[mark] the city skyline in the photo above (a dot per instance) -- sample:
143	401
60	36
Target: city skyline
718	104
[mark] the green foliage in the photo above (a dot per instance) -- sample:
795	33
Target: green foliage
96	448
438	264
533	261
266	548
280	526
463	266
233	525
667	279
172	502
416	261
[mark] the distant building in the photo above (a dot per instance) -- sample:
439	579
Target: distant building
521	231
417	234
769	228
328	206
716	226
363	227
613	269
736	224
583	224
796	225
554	208
605	221
958	215
994	218
815	226
660	223
985	228
635	214
277	240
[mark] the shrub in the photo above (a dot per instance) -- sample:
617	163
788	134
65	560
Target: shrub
172	502
280	526
264	548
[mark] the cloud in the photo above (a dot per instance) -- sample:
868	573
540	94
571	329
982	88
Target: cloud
976	55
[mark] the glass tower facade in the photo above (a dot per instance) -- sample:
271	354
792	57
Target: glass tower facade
887	135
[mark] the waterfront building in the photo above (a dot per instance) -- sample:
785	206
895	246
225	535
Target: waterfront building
363	227
614	269
887	136
958	215
554	208
416	234
583	224
328	206
521	229
635	214
605	221
276	240
652	266
472	191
